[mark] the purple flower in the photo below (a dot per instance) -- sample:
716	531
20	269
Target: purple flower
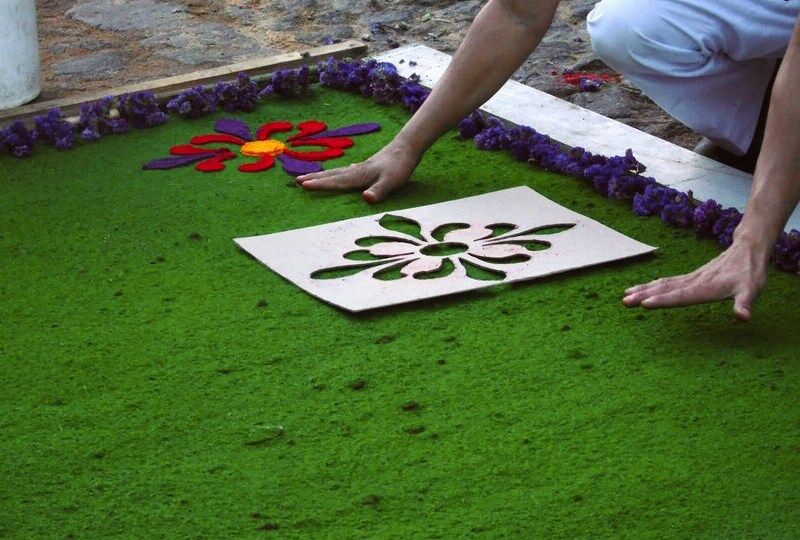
193	103
786	255
53	128
704	217
653	200
97	118
17	139
240	95
724	226
679	210
413	94
141	110
292	83
585	84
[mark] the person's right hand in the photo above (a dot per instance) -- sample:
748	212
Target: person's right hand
381	174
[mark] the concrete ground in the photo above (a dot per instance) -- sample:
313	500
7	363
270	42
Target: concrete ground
95	44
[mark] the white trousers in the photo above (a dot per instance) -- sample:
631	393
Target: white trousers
707	63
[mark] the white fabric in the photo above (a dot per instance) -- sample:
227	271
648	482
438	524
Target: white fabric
707	63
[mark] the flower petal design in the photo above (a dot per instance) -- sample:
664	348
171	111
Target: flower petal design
329	153
423	264
215	163
189	150
266	162
308	128
232	126
348	131
266	130
499	252
296	167
465	236
334	142
176	161
217	138
392	249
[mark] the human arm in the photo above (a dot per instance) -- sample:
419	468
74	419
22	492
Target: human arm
740	271
502	36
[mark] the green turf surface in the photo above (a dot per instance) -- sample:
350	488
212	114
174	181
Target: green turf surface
155	379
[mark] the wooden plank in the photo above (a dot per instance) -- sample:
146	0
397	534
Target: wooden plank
169	86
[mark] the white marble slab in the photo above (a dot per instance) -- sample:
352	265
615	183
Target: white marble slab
572	125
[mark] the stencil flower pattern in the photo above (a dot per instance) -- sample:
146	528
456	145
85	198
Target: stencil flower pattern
264	147
460	249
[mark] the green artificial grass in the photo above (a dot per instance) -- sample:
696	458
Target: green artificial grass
158	381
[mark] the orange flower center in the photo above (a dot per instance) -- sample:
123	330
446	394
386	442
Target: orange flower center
270	147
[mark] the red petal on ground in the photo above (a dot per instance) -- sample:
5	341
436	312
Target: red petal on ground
308	128
189	150
330	153
266	130
328	142
217	138
214	164
263	164
575	78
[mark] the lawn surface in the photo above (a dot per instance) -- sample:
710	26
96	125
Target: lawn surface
155	379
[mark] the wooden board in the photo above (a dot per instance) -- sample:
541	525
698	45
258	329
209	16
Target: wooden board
169	86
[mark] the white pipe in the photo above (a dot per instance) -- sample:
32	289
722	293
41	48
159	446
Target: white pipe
19	53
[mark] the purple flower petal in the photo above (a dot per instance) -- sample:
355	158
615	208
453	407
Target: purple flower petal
176	161
348	131
234	127
296	167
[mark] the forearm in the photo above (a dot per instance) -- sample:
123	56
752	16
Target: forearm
500	39
776	182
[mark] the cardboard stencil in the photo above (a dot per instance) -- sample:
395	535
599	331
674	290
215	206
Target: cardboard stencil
406	255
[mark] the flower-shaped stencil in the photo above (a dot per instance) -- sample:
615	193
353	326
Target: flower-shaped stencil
264	147
458	249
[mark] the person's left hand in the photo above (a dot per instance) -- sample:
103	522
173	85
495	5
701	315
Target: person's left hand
737	273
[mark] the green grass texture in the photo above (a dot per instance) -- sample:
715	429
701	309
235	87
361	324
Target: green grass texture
157	381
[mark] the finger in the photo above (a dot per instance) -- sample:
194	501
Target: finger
684	296
380	189
660	286
743	304
338	181
322	174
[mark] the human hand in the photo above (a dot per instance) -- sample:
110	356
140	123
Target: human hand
381	174
738	273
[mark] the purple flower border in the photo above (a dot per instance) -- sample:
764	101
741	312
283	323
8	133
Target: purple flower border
616	177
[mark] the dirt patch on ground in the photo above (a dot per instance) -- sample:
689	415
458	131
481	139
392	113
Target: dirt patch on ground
96	44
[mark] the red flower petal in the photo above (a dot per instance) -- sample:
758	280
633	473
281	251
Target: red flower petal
188	150
214	164
308	128
217	138
266	130
328	153
263	164
333	142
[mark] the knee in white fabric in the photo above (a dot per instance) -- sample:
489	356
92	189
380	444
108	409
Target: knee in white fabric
633	36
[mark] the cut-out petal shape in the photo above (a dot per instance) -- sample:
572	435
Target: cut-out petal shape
308	128
234	127
423	264
403	225
439	232
266	130
497	251
391	249
465	236
329	153
266	162
349	131
296	167
335	142
176	161
217	138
